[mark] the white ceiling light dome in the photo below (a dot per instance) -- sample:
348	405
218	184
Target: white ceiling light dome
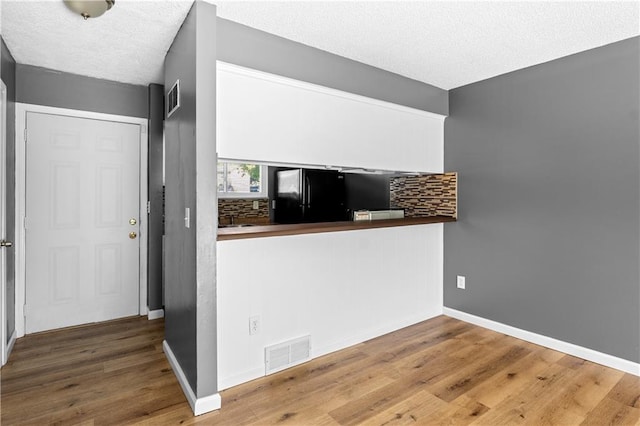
89	8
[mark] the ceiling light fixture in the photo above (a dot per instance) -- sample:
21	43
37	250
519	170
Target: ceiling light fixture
89	8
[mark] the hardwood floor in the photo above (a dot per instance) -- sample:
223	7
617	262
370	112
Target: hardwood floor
442	371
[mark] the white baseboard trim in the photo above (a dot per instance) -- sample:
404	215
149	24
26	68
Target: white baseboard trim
9	348
198	405
12	341
238	379
549	342
155	314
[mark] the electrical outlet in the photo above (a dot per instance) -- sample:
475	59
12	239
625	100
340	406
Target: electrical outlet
256	204
254	325
461	282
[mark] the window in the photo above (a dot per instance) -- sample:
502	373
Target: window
241	180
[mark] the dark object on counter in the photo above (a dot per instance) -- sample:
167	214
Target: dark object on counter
309	196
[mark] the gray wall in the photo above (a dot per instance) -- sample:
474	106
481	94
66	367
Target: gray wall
156	228
190	288
41	86
548	224
8	69
246	46
207	200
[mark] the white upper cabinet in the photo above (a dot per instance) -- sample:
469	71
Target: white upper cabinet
267	118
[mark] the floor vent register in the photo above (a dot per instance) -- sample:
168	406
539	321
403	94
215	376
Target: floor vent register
287	354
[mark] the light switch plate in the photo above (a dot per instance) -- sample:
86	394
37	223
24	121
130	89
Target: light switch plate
256	204
461	282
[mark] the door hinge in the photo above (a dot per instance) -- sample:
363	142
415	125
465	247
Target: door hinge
24	222
24	311
25	135
148	207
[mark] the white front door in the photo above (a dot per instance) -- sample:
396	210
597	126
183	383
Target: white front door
82	224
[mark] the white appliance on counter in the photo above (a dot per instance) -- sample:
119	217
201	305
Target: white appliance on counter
378	214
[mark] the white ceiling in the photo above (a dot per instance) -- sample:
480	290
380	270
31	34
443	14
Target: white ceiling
444	43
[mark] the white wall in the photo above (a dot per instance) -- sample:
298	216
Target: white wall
342	288
267	118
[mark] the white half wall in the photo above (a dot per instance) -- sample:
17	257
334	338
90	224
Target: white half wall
341	288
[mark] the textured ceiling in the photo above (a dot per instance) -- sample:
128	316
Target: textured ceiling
128	43
446	43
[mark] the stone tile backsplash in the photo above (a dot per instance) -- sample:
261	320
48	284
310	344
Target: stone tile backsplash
242	210
423	196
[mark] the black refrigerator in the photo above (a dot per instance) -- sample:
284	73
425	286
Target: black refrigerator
307	196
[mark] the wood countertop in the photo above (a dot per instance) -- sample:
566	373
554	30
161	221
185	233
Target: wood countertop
260	231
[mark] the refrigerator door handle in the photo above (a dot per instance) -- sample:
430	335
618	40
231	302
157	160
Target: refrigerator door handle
308	197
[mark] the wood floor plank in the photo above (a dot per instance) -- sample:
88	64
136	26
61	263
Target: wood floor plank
329	391
474	374
513	379
369	404
416	409
462	411
531	405
627	391
407	344
611	412
592	385
441	371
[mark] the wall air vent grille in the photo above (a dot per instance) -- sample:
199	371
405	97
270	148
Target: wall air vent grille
173	99
287	354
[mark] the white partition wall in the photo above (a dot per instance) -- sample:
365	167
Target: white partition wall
339	288
268	118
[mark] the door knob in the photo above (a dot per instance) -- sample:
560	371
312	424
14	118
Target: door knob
5	243
132	221
132	235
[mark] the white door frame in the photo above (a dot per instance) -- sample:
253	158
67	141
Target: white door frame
21	117
3	188
7	343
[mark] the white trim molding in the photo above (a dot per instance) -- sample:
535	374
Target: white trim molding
549	342
155	314
198	405
20	262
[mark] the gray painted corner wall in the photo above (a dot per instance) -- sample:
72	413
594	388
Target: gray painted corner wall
180	192
207	200
548	230
242	45
155	182
190	287
8	74
41	86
